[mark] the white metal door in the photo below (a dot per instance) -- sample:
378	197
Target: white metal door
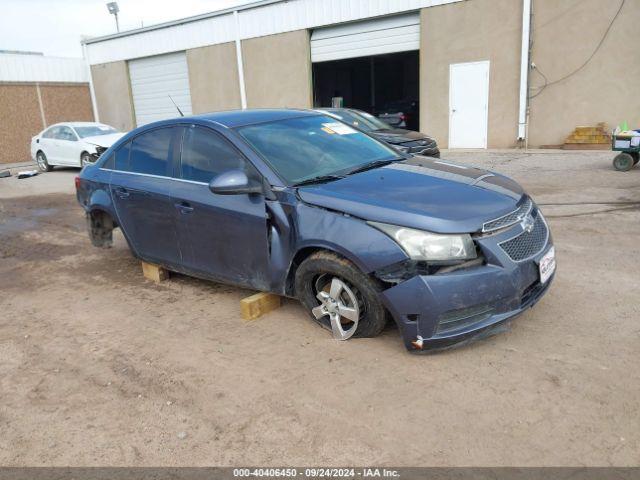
468	104
157	80
399	33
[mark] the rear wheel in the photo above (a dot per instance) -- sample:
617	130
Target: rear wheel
339	296
43	165
623	162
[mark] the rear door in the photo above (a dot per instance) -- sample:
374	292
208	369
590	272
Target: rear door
49	144
224	236
141	187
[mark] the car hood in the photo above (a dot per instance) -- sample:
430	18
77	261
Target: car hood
104	140
396	136
421	193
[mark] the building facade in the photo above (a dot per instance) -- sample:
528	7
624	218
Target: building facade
473	73
35	92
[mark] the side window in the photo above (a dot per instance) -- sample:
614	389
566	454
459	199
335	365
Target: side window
206	154
150	152
50	133
121	161
108	163
65	133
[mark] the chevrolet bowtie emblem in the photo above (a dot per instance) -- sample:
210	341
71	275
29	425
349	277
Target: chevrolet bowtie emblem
527	223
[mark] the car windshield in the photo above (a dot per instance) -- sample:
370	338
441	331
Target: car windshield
363	120
304	148
94	130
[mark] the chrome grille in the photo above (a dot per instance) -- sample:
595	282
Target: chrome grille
527	244
510	218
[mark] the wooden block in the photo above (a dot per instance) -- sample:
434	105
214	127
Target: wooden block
257	305
154	272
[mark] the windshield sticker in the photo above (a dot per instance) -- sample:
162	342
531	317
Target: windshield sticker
339	128
103	128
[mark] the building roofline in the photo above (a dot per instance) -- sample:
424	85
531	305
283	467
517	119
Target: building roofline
181	21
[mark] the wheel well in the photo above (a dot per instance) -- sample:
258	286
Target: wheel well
100	225
300	256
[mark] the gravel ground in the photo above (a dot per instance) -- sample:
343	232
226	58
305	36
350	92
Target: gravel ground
99	366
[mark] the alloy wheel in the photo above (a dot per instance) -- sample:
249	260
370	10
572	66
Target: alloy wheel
340	303
42	163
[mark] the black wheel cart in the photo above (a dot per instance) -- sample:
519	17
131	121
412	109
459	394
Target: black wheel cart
629	154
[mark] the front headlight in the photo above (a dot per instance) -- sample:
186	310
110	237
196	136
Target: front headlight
428	246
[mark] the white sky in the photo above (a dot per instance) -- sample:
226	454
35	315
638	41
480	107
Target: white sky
55	27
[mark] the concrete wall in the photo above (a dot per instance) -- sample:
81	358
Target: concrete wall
213	78
22	113
277	70
113	94
565	35
466	32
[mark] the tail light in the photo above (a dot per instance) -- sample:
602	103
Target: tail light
77	182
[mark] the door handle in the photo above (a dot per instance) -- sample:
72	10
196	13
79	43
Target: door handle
184	207
121	192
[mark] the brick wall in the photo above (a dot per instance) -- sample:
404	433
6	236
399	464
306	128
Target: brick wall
21	116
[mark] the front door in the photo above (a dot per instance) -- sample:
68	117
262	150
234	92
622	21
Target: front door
223	236
468	104
141	187
68	147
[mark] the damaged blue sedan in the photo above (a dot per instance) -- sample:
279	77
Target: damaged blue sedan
299	204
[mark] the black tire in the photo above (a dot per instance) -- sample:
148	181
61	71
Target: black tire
85	159
372	314
41	160
623	162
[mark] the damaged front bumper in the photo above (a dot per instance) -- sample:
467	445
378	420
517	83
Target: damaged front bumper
439	310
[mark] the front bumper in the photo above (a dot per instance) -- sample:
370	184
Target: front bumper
436	311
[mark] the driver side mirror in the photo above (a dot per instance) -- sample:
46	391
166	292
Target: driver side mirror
234	182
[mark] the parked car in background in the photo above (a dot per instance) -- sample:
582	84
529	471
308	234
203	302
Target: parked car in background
405	140
298	204
74	144
400	114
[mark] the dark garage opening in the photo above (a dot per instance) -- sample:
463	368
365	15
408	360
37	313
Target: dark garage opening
376	84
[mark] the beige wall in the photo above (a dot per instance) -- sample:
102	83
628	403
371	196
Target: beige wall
213	78
22	117
277	70
471	31
113	94
606	89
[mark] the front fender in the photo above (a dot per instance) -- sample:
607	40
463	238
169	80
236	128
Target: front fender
299	226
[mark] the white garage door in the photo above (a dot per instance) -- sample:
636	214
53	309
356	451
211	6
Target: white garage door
399	33
157	80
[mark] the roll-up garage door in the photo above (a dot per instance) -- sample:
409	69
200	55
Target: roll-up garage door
399	33
157	80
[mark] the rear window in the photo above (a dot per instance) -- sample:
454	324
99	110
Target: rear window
150	152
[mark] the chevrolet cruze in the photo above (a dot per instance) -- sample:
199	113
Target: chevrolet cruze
299	204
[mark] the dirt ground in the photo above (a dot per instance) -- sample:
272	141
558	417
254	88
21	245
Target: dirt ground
99	366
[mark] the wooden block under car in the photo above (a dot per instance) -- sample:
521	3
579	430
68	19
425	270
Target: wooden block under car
258	304
154	272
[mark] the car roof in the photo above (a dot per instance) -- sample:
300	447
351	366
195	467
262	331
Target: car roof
239	118
78	124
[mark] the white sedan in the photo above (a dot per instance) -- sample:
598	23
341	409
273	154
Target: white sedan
72	144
